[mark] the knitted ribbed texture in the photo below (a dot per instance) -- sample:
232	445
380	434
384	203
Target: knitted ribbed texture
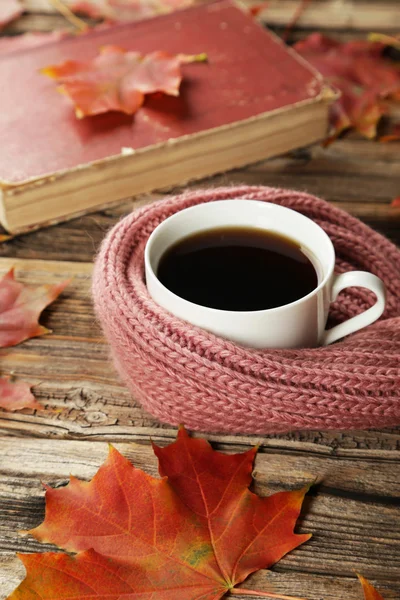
183	374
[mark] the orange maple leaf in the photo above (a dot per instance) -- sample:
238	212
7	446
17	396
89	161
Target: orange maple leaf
195	534
370	593
363	75
16	395
119	80
20	308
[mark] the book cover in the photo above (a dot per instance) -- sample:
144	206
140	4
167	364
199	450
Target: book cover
249	73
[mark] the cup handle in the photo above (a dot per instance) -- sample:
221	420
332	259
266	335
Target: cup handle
356	279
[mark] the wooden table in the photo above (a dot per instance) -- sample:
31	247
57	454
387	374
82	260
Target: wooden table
353	511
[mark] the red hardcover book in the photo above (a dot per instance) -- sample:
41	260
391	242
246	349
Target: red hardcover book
253	98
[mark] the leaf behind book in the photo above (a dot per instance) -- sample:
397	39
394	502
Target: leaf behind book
362	74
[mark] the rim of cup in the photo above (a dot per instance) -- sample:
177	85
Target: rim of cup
198	207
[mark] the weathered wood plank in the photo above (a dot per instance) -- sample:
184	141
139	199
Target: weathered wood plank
315	587
369	479
354	509
355	504
339	14
359	176
75	381
356	14
50	22
38	22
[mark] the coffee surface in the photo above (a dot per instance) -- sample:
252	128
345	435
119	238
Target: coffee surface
238	269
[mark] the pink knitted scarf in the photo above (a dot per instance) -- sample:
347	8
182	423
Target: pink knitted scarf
183	374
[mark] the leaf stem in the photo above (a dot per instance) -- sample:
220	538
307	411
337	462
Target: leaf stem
69	15
388	40
244	592
293	21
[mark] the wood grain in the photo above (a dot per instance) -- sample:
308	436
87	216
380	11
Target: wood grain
75	381
359	176
353	510
354	504
364	15
356	14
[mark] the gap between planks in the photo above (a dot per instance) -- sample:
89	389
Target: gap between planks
363	15
274	467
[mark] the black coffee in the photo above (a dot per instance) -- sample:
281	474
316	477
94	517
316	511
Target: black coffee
237	268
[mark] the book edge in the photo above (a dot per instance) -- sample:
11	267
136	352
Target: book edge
32	194
326	95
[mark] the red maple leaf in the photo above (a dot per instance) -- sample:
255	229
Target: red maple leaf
9	11
16	395
195	534
241	524
20	308
119	80
361	73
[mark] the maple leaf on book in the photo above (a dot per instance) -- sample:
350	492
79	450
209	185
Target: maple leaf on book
20	308
16	395
9	11
197	533
119	80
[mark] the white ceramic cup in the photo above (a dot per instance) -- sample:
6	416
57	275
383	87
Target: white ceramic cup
298	324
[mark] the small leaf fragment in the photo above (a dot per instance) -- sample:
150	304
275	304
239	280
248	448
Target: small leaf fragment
370	593
20	308
16	395
119	80
392	136
396	202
